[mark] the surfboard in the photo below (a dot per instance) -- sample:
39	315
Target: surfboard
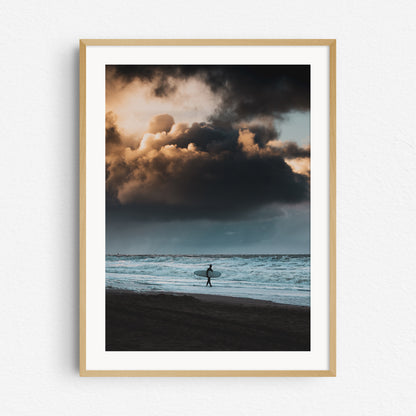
203	273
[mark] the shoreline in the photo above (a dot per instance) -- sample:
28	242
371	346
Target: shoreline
172	321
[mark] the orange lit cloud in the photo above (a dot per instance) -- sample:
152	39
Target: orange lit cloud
201	141
185	171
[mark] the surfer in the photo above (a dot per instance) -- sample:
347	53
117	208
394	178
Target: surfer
208	276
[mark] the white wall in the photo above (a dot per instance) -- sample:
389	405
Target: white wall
376	207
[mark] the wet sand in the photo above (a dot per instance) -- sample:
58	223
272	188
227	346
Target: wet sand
197	322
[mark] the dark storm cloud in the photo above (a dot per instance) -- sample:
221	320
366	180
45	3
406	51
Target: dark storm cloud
246	91
290	150
263	133
208	137
226	168
200	171
257	91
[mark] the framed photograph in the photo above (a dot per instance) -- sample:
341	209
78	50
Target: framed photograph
207	207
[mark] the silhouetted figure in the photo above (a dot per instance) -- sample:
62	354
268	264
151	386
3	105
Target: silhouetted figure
208	276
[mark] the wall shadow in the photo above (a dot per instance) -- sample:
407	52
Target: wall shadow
74	162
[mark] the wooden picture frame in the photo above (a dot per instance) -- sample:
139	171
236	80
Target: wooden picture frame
87	309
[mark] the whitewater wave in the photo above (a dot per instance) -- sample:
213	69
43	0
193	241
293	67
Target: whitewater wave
278	278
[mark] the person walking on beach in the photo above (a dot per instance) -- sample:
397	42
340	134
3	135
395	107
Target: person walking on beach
208	276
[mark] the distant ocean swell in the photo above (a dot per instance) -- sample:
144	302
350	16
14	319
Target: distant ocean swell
278	278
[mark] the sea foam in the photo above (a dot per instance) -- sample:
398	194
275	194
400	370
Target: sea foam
277	278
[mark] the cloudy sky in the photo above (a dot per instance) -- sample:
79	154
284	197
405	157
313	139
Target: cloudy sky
207	159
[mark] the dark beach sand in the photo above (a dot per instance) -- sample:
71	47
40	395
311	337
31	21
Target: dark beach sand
196	322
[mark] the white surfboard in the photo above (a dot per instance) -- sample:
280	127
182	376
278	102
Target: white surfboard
203	273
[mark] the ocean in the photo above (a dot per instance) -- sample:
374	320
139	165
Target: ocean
277	278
